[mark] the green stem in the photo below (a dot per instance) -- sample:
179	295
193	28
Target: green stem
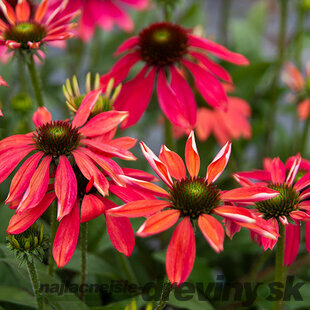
35	282
274	84
280	270
304	136
168	134
224	21
36	83
83	239
299	33
167	12
53	224
164	296
130	275
21	72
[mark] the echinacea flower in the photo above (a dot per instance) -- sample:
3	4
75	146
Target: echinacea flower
67	152
289	208
22	31
103	13
164	48
193	199
300	86
2	82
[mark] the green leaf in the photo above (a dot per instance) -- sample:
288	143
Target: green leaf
17	296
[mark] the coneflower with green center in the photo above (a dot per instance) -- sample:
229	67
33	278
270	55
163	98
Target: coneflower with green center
195	200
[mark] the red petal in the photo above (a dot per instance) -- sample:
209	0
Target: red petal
92	207
41	116
22	10
41	10
181	252
303	182
292	241
8	12
293	171
192	158
277	171
234	213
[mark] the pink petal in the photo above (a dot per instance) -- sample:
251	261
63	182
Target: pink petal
300	215
41	116
14	141
277	171
192	158
139	208
174	163
302	182
22	10
212	230
65	187
237	214
181	252
218	164
3	82
231	228
85	108
293	171
307	234
139	174
8	12
41	10
20	222
292	241
158	166
261	175
158	222
128	194
67	237
92	207
127	45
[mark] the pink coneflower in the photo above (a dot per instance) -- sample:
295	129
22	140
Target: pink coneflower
165	48
289	208
293	78
3	82
193	198
67	152
22	31
103	13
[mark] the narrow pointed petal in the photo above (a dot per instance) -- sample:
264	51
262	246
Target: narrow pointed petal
67	237
85	108
103	123
158	222
22	177
292	241
249	194
299	215
192	158
139	208
174	163
158	166
181	252
237	214
8	12
2	81
303	182
20	222
127	45
41	116
41	10
261	175
139	174
37	186
277	171
293	171
65	187
243	181
91	208
218	164
22	11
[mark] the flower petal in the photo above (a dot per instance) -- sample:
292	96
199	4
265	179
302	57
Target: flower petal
158	222
292	241
41	10
293	171
181	252
127	45
22	10
92	207
237	214
67	237
8	12
277	171
41	116
302	182
192	158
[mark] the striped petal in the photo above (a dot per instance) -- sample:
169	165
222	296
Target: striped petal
192	158
237	214
293	171
8	12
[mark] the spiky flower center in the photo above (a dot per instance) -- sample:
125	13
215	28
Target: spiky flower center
282	205
162	44
25	32
193	196
57	138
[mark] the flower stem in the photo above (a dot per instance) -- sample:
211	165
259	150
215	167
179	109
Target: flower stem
168	134
280	270
21	73
164	296
274	85
36	83
304	136
130	275
53	224
35	282
224	21
299	33
83	238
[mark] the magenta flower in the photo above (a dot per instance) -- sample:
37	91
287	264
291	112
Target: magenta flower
165	48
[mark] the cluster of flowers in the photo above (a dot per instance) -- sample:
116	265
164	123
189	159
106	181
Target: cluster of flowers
72	161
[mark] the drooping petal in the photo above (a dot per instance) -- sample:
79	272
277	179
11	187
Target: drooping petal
127	45
65	187
37	186
174	163
67	237
139	208
20	222
292	241
85	108
277	171
218	164
192	158
237	214
212	230
249	194
41	116
92	207
181	252
158	222
231	228
158	166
